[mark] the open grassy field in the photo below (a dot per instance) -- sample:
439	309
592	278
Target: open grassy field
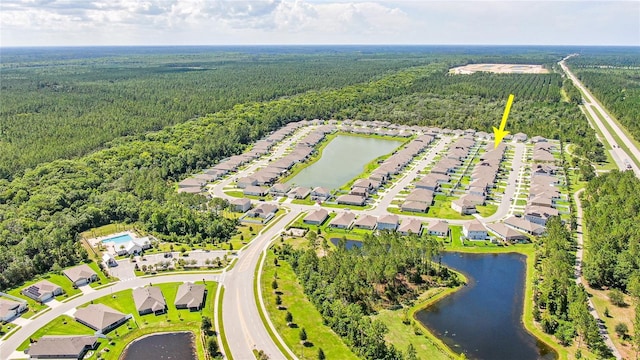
304	314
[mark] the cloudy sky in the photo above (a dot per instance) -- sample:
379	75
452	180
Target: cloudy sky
225	22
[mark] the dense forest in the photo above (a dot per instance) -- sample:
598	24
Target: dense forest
348	285
614	78
44	208
476	101
612	214
561	306
67	108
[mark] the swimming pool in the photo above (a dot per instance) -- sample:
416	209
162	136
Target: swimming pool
120	239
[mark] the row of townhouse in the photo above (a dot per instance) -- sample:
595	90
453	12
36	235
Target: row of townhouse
483	179
347	220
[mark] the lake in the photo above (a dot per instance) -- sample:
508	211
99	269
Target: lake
343	159
483	319
164	346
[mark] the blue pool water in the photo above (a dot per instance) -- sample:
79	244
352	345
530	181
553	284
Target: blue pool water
120	239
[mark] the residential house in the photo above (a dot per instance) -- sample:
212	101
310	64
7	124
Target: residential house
439	228
537	139
263	211
245	182
421	195
539	214
520	137
62	347
524	225
351	200
280	189
191	296
367	222
316	217
149	299
414	206
467	204
410	226
320	193
81	275
240	205
255	191
506	233
109	260
299	192
191	182
42	291
100	317
474	230
388	222
343	220
10	308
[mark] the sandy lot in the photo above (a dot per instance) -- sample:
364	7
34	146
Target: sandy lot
500	69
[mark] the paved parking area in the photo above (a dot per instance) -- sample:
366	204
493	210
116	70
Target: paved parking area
124	271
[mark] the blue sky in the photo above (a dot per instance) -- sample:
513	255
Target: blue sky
223	22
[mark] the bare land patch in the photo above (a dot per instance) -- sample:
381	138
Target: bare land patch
499	69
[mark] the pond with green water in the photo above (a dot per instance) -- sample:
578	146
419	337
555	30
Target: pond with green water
343	159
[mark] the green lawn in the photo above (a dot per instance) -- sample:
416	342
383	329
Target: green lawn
62	325
401	335
487	210
102	279
106	230
304	315
173	320
34	306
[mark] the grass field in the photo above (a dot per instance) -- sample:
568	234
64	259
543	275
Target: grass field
304	315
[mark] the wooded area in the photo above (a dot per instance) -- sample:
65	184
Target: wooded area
347	286
561	306
614	78
612	214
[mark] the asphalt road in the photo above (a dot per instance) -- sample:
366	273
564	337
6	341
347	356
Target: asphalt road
618	154
242	323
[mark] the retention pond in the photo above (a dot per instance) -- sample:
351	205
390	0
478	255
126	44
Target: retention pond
483	319
164	346
342	160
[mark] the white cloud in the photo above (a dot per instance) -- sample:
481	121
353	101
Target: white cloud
144	22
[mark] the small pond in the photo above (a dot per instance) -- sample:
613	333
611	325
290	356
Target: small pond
349	244
164	346
343	159
484	318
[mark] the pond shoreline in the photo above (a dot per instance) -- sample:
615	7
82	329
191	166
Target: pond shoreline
527	323
191	334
